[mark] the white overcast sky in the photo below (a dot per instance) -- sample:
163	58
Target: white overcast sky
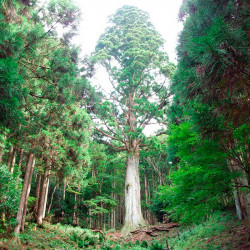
95	13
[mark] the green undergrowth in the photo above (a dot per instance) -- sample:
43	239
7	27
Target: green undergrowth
54	237
212	234
153	245
217	233
67	237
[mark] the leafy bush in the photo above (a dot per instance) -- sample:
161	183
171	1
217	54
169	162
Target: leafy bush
9	192
201	179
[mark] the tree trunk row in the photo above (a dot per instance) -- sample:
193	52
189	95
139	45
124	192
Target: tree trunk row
25	195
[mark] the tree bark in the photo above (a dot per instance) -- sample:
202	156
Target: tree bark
27	197
19	167
64	195
9	157
1	154
42	196
25	193
20	159
241	197
121	209
74	211
52	196
133	214
75	218
38	187
13	161
146	198
90	218
101	217
113	212
46	199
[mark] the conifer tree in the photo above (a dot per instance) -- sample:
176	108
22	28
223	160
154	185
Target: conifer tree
41	93
211	93
130	50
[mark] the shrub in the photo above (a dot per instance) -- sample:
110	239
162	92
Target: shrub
9	192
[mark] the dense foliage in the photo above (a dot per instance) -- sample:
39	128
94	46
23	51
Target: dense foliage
66	147
209	129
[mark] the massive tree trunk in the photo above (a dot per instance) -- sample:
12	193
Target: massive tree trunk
25	193
133	214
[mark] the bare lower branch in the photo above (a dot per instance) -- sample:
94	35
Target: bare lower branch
112	146
105	134
160	133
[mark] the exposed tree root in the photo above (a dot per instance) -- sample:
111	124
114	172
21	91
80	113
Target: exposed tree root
152	229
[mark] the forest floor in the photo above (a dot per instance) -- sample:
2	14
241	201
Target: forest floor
219	232
214	234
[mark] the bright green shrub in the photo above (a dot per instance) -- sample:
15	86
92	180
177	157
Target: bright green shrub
9	192
201	179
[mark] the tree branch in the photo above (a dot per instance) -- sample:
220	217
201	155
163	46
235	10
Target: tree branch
112	146
107	135
160	133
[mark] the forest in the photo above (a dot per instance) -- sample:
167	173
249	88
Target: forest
77	169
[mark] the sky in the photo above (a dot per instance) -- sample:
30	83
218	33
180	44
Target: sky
95	13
